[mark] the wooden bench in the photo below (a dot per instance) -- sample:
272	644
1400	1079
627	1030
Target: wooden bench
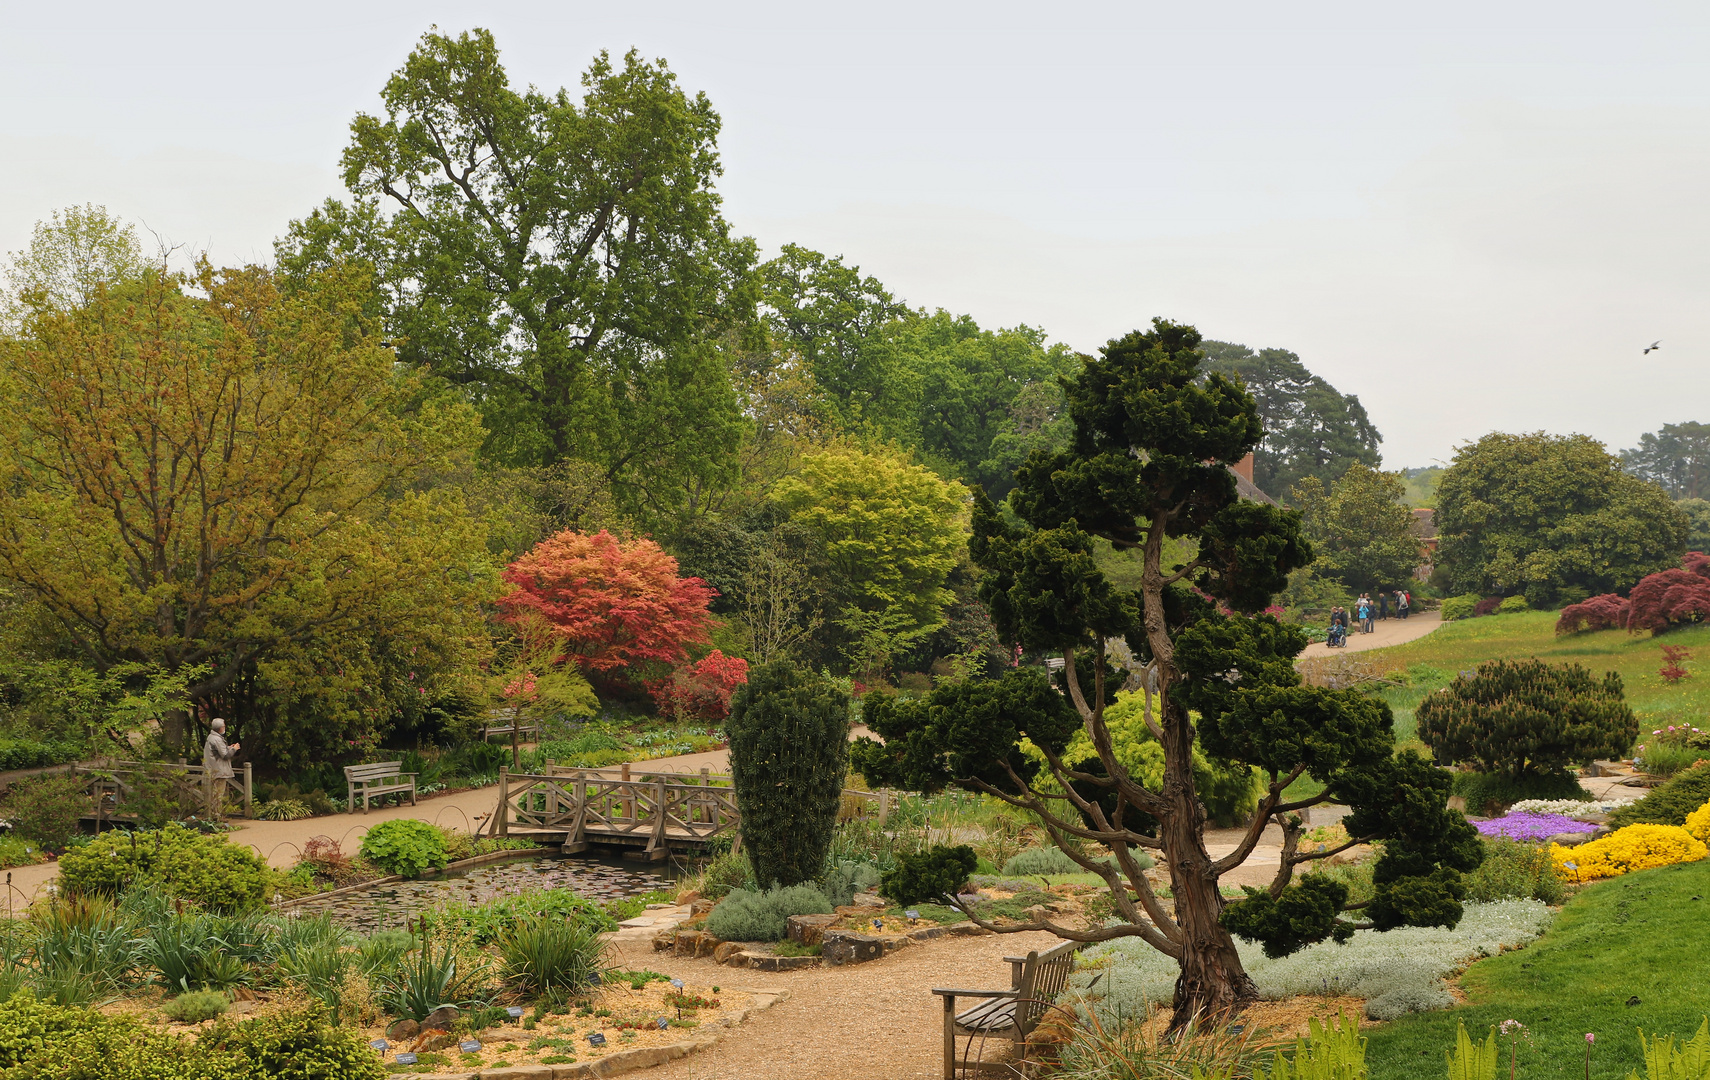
381	778
1035	981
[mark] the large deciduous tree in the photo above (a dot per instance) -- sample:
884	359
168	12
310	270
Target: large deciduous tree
1360	528
1311	428
565	260
1552	518
231	483
887	533
1149	461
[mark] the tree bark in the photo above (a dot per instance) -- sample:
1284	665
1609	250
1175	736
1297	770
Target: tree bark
1213	981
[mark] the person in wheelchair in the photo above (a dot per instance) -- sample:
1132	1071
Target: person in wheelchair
1338	635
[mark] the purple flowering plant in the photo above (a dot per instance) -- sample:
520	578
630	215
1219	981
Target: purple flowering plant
1532	826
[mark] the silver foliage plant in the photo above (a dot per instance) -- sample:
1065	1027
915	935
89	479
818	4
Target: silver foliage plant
1397	972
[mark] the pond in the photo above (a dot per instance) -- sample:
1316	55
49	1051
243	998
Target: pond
391	906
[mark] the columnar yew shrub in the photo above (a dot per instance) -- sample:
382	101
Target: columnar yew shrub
1524	718
789	752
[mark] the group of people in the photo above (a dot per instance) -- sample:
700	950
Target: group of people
1365	612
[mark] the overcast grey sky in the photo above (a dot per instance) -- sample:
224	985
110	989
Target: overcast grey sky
1473	215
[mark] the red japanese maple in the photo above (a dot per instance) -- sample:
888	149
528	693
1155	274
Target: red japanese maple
702	691
1659	601
613	605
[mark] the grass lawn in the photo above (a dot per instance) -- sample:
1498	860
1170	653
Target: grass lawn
1643	935
1464	644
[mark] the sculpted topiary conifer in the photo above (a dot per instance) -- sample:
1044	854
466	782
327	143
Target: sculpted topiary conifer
789	753
1521	718
1154	437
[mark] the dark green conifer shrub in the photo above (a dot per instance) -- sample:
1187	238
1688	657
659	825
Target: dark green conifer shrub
789	753
1523	718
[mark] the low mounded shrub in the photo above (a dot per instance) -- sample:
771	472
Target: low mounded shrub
197	1006
1487	606
1669	804
1522	718
1396	971
300	1045
1039	861
405	847
1635	847
929	876
1459	607
179	862
1513	604
845	878
48	809
760	916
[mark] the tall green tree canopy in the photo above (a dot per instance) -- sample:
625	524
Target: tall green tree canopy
1361	529
215	477
1311	428
1553	518
1153	438
564	259
971	402
1677	457
887	534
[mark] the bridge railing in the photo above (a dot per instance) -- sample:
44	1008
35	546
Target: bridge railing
118	788
589	803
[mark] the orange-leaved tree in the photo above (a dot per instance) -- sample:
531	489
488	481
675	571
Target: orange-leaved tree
618	608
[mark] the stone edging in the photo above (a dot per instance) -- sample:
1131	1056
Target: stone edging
846	946
460	864
642	1057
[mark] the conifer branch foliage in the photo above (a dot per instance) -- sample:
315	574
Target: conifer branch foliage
1149	460
789	753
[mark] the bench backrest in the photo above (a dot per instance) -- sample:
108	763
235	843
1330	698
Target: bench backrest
1042	979
380	770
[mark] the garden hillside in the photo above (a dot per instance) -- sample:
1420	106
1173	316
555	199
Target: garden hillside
1464	644
1620	956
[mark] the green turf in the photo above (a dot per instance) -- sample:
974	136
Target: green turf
1643	935
1464	644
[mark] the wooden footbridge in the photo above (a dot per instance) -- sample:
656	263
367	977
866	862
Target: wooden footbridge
645	813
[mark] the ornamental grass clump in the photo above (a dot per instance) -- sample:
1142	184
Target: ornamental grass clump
1523	826
1636	847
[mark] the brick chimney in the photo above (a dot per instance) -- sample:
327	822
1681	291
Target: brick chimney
1245	468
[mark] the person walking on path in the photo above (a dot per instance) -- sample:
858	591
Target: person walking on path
1383	605
1403	602
1365	608
217	757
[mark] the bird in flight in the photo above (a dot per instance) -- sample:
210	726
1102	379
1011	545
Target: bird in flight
1651	348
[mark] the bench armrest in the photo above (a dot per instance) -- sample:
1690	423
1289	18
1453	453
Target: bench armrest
946	992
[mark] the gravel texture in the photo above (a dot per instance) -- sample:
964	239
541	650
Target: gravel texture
875	1021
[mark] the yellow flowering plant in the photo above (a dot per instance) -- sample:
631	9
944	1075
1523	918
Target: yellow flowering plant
1636	847
1698	823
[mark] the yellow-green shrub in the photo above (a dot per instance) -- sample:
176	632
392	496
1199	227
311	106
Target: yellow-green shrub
1637	847
205	870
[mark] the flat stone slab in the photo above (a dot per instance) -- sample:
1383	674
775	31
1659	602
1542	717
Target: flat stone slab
638	921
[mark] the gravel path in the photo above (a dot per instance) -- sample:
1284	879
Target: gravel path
1385	632
875	1021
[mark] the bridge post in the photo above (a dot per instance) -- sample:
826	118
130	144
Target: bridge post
504	810
656	849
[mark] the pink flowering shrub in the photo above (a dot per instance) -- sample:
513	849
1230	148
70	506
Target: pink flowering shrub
702	691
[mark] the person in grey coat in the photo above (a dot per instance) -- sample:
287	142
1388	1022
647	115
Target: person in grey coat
217	757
